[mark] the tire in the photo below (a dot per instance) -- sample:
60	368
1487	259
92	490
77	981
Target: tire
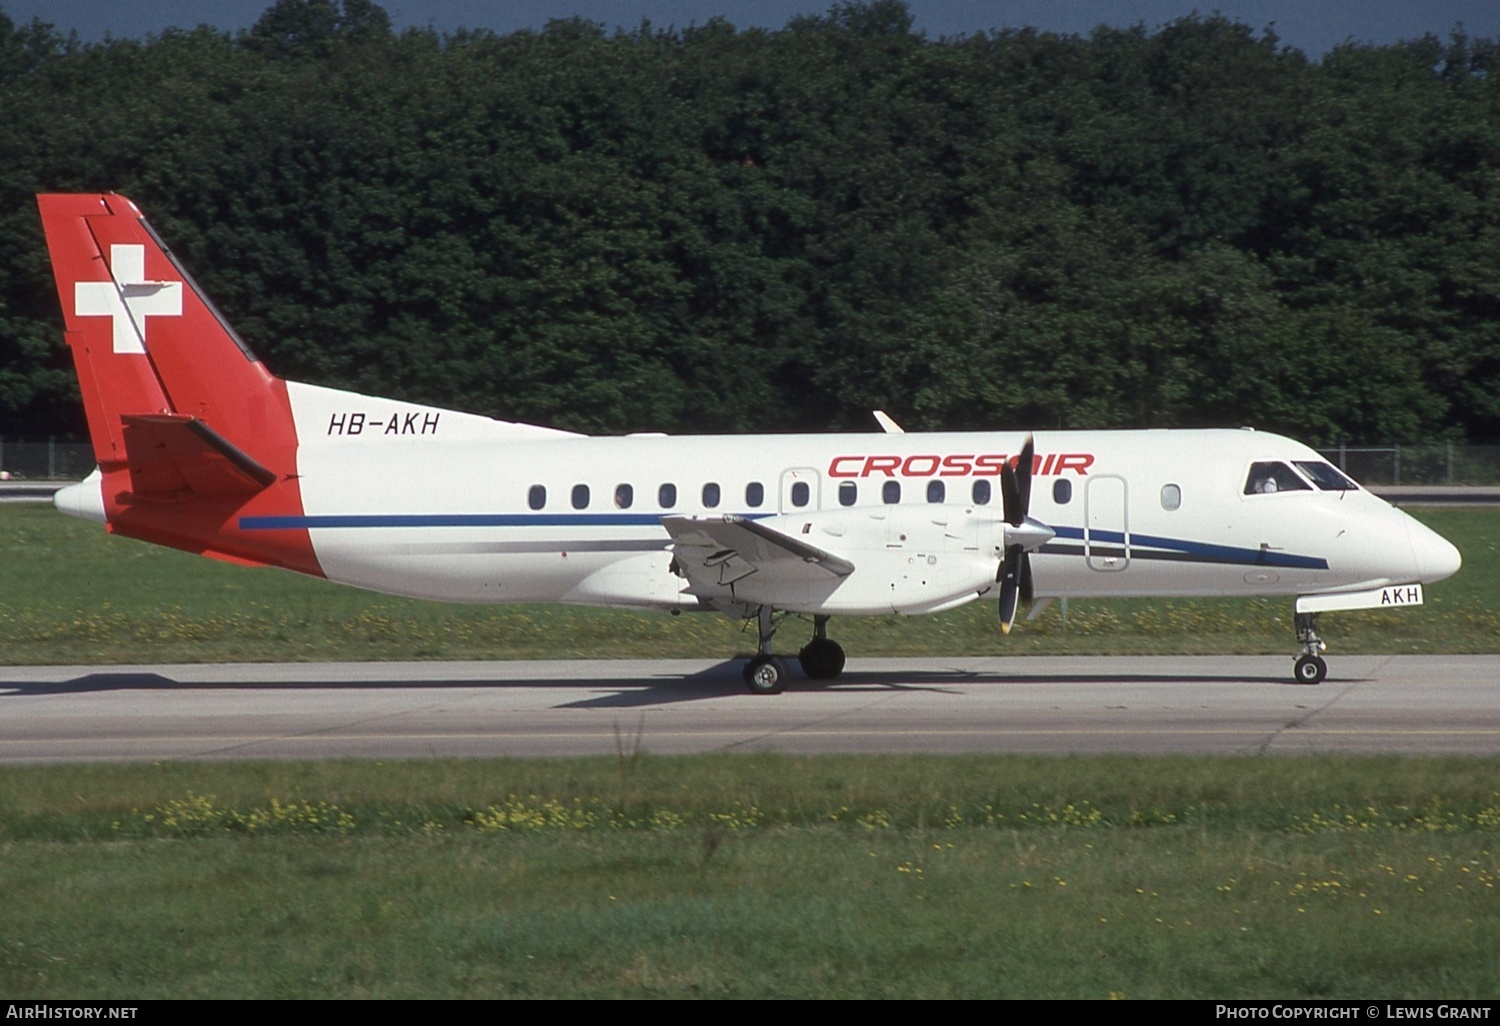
1310	669
822	659
765	675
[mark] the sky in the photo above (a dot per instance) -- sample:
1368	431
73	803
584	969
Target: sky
1313	26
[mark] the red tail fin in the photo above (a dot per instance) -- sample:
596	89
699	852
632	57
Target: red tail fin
144	337
189	428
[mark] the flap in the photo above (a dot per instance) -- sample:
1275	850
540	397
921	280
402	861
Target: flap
725	549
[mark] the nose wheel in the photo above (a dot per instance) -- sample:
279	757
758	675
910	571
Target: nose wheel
1310	667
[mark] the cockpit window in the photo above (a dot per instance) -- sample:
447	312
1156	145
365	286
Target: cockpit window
1326	477
1267	478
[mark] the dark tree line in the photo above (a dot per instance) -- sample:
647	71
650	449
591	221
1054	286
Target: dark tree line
712	229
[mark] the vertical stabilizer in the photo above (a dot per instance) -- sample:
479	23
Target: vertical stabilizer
114	373
190	430
144	337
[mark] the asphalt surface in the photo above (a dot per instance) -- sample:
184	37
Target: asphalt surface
1408	705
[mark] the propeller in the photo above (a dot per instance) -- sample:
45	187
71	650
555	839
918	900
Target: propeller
1021	536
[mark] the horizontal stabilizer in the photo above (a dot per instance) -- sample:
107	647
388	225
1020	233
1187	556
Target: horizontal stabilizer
722	550
172	454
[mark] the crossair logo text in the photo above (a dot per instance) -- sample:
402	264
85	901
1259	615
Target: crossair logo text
957	465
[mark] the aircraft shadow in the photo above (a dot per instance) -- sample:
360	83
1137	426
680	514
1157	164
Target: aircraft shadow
719	681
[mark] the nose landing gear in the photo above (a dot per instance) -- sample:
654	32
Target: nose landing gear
1310	667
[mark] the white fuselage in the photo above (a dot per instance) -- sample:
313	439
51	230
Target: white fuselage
436	504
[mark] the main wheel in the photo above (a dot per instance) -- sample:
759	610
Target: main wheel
822	659
1310	669
765	675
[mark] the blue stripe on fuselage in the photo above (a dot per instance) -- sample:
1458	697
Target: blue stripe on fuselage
1202	551
1197	551
462	520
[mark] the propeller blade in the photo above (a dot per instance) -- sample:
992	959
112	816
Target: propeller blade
1010	496
1015	484
1024	467
1011	570
1015	569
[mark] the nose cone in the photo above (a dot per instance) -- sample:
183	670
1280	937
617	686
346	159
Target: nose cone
1436	556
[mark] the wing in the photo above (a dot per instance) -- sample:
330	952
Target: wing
718	551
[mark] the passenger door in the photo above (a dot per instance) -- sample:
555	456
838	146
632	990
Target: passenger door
1106	532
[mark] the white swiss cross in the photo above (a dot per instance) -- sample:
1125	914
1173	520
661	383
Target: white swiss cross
129	299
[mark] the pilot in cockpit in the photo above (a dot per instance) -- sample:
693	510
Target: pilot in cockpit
1268	477
1271	476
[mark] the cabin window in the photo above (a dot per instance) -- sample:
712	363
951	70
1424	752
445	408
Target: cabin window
666	496
980	493
537	497
800	494
1269	477
624	496
848	493
710	496
890	493
1062	491
755	494
936	491
1171	497
580	496
1325	476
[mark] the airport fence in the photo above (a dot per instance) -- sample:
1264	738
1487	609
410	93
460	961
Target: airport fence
53	459
1418	464
48	459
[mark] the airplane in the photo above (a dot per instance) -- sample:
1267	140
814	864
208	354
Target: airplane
201	448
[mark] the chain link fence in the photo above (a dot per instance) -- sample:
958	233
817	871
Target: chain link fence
1376	466
48	459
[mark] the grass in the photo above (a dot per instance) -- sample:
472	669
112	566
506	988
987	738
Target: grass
757	876
751	876
73	593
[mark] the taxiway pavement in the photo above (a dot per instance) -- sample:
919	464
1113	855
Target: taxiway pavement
1409	705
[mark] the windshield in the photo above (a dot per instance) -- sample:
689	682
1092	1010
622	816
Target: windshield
1326	477
1269	477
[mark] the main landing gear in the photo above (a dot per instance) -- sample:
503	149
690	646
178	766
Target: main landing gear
1310	667
822	658
766	674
